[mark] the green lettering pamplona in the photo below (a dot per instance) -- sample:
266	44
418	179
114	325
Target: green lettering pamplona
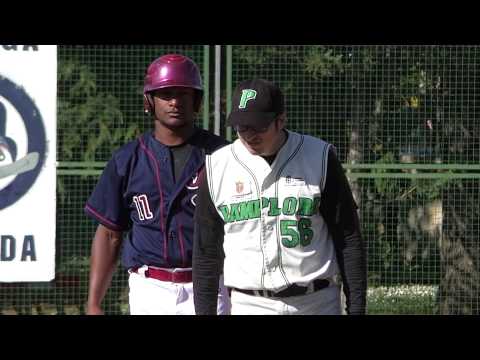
274	209
235	212
247	210
316	204
305	206
289	206
225	213
250	210
265	202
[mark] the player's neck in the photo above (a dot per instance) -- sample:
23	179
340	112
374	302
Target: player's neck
281	140
173	136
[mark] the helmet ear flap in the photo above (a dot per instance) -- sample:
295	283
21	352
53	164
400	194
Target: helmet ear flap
147	103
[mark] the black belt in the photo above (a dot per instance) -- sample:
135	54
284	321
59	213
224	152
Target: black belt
292	290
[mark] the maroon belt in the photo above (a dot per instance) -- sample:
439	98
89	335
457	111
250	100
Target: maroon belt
164	275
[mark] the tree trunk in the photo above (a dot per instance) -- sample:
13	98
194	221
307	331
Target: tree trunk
459	291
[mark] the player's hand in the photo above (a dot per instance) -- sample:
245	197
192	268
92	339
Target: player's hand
94	310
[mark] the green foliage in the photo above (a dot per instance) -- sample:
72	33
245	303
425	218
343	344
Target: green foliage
75	264
89	120
258	61
258	56
386	94
322	62
429	189
388	188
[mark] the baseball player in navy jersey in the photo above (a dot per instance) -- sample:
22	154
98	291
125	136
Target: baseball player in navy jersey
147	192
276	215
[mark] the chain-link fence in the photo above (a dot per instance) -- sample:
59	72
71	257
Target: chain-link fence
403	120
100	107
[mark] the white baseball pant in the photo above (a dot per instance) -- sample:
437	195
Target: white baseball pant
150	296
326	301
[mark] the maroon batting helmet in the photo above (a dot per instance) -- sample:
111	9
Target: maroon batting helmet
172	70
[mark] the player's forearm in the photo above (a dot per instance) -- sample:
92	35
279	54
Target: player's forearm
103	262
207	253
355	273
340	212
206	268
206	284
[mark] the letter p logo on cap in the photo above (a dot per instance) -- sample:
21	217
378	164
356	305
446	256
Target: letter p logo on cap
247	94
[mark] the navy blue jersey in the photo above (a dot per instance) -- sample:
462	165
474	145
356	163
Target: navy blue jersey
137	193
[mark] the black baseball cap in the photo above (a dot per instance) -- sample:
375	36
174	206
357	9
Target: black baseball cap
256	103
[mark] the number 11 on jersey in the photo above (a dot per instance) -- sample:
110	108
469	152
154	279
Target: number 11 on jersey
143	208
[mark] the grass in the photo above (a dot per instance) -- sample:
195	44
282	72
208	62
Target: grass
383	300
402	300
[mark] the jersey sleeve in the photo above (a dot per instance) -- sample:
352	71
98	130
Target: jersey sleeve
339	209
208	255
106	204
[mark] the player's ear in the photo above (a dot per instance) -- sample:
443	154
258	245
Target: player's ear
197	101
281	120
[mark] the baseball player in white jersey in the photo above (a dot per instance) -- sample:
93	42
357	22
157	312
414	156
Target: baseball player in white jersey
277	215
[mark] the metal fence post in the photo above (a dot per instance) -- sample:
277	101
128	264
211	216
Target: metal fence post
229	90
206	84
218	59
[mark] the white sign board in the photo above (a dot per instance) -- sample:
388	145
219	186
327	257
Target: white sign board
28	127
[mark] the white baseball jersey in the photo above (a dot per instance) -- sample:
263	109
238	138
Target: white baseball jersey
274	233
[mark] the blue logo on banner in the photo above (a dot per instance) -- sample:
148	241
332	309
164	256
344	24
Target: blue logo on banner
26	169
